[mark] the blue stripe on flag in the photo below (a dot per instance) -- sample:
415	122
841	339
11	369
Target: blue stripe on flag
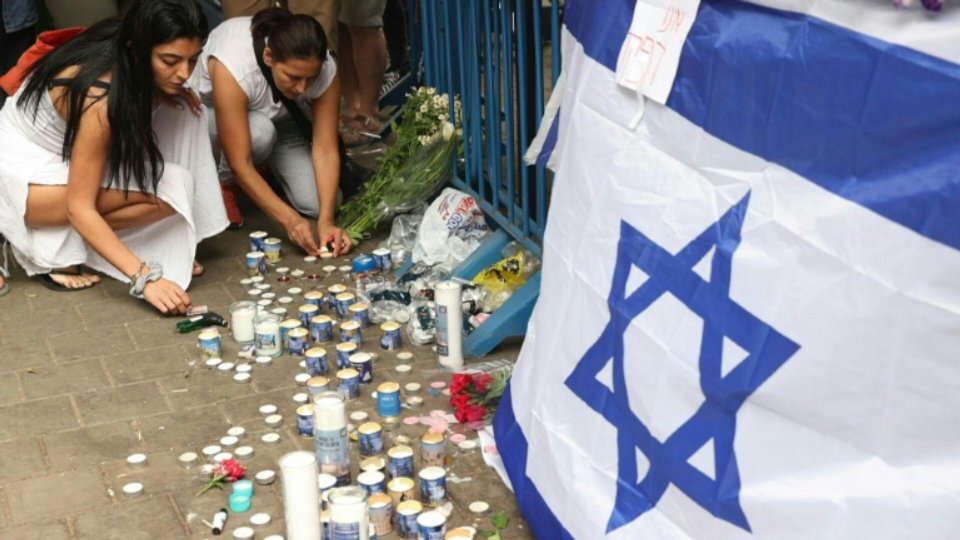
868	120
550	142
512	445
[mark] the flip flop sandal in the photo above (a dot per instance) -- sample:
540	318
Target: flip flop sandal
49	282
197	269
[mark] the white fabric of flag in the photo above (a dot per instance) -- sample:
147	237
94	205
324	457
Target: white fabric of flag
749	319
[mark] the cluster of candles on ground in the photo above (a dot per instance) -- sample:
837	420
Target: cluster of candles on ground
264	330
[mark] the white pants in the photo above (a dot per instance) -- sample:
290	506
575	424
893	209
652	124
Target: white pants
288	153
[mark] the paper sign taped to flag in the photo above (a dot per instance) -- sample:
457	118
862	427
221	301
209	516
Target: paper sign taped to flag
651	51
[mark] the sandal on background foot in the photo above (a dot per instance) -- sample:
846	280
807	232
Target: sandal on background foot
198	269
47	280
6	286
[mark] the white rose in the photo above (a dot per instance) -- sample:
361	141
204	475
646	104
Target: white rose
431	91
447	131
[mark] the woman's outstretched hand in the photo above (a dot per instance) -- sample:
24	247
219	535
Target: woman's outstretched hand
167	296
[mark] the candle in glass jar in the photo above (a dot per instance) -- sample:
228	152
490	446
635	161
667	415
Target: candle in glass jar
267	334
241	321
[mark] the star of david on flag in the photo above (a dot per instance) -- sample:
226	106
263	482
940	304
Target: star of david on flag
716	417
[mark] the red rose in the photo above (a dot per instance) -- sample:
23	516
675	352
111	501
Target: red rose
481	382
476	414
460	401
232	470
460	415
459	382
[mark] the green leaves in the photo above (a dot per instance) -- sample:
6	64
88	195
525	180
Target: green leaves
500	521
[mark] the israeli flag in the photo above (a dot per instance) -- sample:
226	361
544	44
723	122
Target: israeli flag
749	321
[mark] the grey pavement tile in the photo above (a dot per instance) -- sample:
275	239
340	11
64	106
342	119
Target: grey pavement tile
82	376
160	475
116	311
56	495
158	333
45	530
120	403
245	410
43	323
136	366
9	389
35	417
147	519
90	446
17	356
190	429
195	509
41	298
20	458
202	387
87	343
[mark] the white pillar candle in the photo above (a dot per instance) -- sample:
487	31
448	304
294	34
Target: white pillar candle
449	324
330	431
301	495
266	329
348	513
241	321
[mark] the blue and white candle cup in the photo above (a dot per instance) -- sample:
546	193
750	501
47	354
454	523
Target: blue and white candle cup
318	385
370	439
431	525
348	383
364	264
314	298
360	313
256	240
305	420
388	398
316	360
372	482
363	363
209	343
400	462
332	292
343	303
256	263
407	513
243	487
433	486
285	327
384	260
350	333
390	336
307	312
344	352
272	248
298	341
321	329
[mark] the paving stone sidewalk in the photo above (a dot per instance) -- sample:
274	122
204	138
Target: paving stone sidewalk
89	377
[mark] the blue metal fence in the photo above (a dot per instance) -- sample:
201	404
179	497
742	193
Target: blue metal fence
492	53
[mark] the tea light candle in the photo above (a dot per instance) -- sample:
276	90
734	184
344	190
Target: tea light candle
270	438
237	432
187	460
137	461
268	409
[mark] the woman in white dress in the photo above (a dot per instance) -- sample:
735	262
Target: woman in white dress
275	92
102	164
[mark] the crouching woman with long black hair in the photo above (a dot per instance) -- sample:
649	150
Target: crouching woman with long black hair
105	160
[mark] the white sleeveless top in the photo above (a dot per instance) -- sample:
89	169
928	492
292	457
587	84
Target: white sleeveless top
232	44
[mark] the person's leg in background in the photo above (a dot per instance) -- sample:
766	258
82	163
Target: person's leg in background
243	8
325	12
363	60
17	32
395	31
71	13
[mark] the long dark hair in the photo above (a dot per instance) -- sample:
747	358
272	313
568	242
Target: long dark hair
290	36
123	48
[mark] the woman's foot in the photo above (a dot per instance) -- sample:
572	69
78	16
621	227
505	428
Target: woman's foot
68	279
4	286
197	269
